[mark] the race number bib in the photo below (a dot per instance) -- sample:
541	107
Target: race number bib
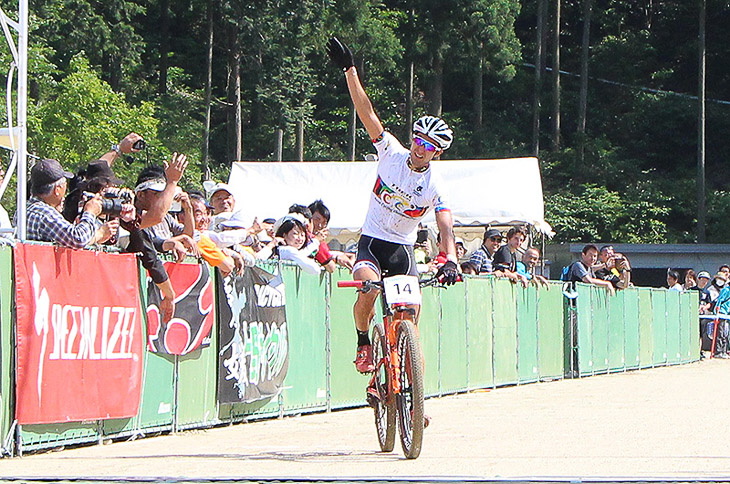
402	290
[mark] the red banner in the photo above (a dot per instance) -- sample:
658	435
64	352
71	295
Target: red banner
79	335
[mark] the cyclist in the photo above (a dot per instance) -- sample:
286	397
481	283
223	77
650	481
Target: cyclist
405	190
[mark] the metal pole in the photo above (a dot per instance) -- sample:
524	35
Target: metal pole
22	117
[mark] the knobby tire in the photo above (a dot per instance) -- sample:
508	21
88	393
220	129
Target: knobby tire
384	408
410	399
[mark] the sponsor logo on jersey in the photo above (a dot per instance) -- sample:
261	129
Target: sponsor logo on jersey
396	201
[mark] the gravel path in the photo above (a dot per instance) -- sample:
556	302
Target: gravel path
659	423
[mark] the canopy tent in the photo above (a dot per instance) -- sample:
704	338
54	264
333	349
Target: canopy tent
479	192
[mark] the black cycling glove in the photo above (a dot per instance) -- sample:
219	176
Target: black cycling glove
447	273
340	54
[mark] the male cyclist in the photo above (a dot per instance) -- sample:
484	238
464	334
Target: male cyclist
405	190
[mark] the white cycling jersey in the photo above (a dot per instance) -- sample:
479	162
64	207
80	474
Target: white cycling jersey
401	197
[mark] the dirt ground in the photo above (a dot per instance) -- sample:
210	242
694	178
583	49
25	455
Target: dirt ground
661	423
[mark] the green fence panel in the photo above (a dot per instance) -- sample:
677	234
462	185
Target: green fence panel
631	328
429	326
674	351
599	333
35	437
305	386
527	334
479	324
616	330
550	331
347	386
690	336
196	380
659	325
584	329
505	332
157	404
453	342
646	329
7	345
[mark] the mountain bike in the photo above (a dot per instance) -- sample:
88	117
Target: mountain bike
396	386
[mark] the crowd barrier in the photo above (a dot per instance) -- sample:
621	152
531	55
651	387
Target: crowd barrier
482	333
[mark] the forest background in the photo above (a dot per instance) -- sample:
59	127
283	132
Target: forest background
226	80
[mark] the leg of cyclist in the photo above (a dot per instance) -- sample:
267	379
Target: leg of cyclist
364	311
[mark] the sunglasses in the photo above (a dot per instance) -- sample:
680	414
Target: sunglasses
425	144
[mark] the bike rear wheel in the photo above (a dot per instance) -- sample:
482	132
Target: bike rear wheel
410	398
383	405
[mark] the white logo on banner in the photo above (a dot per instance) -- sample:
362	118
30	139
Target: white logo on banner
78	331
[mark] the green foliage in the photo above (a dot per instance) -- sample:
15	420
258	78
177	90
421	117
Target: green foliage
85	118
597	214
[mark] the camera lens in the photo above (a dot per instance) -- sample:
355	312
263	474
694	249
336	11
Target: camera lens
139	144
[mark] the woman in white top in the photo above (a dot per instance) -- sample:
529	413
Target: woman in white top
292	246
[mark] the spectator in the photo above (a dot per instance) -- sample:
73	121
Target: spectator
582	270
170	226
460	247
4	218
291	233
526	267
97	177
225	260
154	192
322	255
614	268
708	296
469	268
673	280
505	259
483	256
703	279
725	269
690	281
320	221
223	203
48	184
722	307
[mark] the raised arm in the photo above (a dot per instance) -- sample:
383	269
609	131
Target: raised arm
342	57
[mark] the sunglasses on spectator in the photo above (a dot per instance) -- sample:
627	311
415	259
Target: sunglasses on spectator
428	146
496	239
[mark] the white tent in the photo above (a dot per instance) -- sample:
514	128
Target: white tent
479	192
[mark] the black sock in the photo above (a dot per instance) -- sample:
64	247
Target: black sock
362	338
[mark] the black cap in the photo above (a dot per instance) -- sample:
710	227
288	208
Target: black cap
269	221
47	171
489	233
100	168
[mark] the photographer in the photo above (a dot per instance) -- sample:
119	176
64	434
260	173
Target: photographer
154	192
48	185
99	178
614	268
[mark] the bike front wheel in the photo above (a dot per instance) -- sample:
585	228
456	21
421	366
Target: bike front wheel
383	404
410	398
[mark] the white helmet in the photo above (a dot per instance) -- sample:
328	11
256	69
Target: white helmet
436	129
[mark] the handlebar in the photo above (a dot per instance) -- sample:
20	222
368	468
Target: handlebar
431	281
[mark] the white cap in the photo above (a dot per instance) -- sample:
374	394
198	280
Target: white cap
221	186
236	221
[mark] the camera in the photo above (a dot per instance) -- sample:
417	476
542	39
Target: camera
111	203
139	145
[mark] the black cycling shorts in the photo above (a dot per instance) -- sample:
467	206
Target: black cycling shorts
385	258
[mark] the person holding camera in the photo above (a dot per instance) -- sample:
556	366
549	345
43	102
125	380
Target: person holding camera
48	185
132	143
614	268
